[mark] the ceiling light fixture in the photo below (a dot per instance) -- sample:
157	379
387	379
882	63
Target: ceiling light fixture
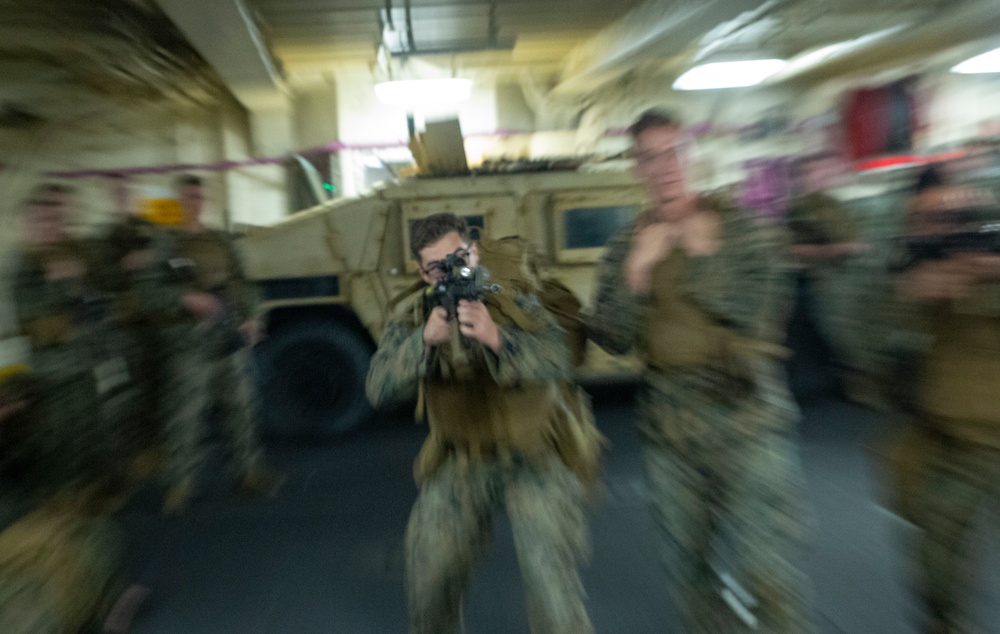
988	62
718	75
423	92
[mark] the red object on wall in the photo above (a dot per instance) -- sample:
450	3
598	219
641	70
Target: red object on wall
879	120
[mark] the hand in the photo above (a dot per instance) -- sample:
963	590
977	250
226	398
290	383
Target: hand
853	248
204	306
701	235
138	260
252	332
437	330
651	244
474	322
63	270
10	409
984	267
945	279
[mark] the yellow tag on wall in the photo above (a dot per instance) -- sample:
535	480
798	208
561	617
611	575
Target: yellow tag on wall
162	211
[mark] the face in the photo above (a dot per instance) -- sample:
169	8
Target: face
437	252
660	165
935	210
121	196
813	176
48	216
192	200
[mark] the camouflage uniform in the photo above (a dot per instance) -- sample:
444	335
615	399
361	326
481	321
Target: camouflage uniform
134	237
203	365
953	471
79	355
825	289
450	524
726	486
59	556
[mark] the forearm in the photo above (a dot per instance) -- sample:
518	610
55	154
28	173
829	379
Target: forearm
614	323
397	367
744	287
530	357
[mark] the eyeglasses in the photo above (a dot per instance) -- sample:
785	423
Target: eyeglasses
649	157
437	267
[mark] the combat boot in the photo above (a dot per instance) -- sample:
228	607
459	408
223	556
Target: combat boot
179	497
259	482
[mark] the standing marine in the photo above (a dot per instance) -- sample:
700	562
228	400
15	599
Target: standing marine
701	291
207	312
488	375
947	465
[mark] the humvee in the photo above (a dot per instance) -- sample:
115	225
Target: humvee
327	276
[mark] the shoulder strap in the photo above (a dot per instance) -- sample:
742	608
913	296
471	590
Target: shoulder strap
508	306
403	295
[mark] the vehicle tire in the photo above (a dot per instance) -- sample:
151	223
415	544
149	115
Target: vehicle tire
312	381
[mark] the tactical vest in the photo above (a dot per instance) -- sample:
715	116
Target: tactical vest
211	256
57	326
473	418
679	334
512	263
961	382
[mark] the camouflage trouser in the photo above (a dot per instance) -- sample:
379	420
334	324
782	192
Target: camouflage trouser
196	381
449	533
733	522
960	480
77	433
146	360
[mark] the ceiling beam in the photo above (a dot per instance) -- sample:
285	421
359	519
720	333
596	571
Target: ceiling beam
225	34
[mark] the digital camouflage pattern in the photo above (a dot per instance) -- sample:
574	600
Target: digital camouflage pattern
59	554
449	534
450	524
945	465
399	366
129	254
202	365
79	357
724	471
198	380
820	219
959	481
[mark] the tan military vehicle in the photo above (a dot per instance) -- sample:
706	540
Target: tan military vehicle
327	276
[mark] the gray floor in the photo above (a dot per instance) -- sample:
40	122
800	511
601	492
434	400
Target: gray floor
326	556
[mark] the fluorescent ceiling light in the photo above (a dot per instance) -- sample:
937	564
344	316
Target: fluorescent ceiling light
985	63
423	92
728	74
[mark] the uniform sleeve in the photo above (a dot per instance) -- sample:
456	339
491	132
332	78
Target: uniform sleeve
531	357
397	367
748	285
241	291
617	312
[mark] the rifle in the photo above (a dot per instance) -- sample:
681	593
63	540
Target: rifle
458	282
968	236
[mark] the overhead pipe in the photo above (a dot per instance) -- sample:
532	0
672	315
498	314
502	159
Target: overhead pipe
653	29
970	21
